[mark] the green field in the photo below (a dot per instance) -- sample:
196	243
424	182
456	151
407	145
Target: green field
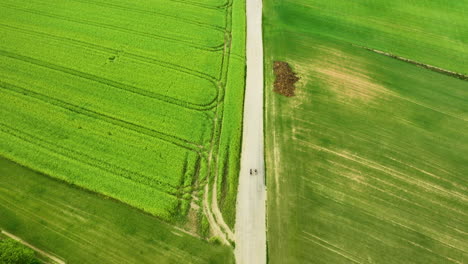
368	162
429	31
135	100
80	227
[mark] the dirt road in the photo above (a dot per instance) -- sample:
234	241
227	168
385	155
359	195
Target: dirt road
250	217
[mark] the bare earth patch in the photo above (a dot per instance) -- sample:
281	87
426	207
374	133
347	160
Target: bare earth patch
285	79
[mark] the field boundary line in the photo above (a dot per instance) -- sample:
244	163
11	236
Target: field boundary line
48	255
419	64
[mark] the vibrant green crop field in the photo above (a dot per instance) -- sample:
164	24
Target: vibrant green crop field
368	162
139	101
80	227
121	96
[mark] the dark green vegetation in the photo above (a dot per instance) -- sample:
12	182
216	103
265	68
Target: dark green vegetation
13	252
368	162
81	227
139	101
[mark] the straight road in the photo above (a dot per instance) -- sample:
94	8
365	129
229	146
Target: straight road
250	216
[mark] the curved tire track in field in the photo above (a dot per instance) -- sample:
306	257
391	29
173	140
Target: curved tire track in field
103	117
217	47
111	83
80	43
223	6
216	219
85	159
215	228
218	215
143	11
212	105
147	59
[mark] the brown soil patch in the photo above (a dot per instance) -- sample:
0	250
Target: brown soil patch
285	79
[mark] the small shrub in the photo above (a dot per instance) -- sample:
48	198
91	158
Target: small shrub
13	252
215	240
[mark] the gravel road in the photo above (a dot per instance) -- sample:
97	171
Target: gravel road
250	217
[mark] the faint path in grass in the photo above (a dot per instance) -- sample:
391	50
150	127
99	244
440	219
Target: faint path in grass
218	215
53	258
251	197
215	228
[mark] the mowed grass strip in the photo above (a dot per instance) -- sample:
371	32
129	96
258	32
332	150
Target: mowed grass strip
367	163
428	31
81	227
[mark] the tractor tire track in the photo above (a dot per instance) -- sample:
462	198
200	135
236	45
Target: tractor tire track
217	47
109	82
215	228
218	215
182	143
82	44
223	6
143	11
86	159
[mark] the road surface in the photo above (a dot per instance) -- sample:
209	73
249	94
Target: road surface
250	217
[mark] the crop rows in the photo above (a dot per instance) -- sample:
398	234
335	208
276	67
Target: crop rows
123	99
